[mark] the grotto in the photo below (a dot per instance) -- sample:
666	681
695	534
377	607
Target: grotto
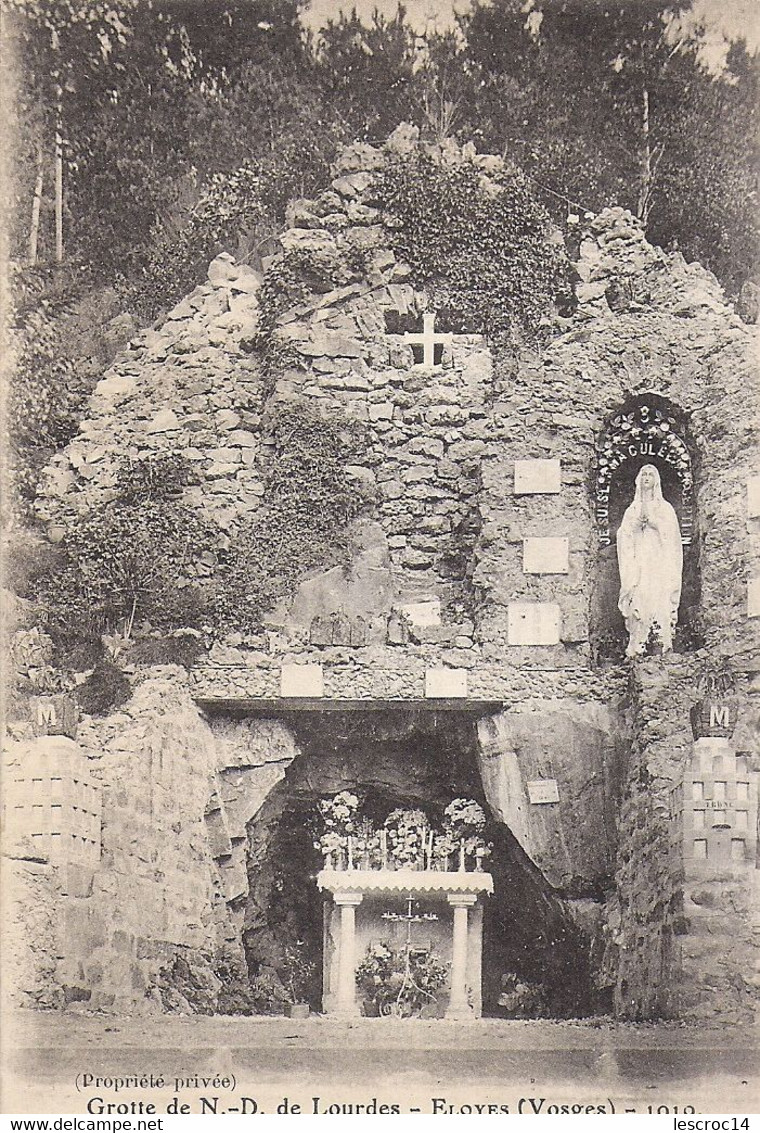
409	478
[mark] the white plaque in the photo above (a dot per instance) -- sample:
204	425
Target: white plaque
546	555
301	680
441	683
534	477
533	623
753	497
753	598
543	791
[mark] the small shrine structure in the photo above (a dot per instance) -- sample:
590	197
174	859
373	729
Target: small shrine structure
393	898
354	917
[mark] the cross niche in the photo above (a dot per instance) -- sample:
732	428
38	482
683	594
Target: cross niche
428	346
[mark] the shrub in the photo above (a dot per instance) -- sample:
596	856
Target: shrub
176	260
234	996
154	478
170	649
105	688
268	996
127	563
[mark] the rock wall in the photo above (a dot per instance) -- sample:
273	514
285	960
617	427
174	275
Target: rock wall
32	945
478	575
155	895
252	757
443	444
645	914
579	749
157	922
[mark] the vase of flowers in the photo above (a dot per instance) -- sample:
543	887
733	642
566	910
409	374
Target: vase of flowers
464	821
444	850
407	838
365	845
338	817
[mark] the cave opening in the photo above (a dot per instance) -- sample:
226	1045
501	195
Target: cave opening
535	957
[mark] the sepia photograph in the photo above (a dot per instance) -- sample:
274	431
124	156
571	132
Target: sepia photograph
380	558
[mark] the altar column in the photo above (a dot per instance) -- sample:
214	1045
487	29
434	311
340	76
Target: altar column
346	998
459	1007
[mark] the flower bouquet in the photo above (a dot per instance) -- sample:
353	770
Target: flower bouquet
399	983
408	833
338	817
464	821
365	845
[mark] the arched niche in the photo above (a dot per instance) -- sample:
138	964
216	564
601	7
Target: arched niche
648	429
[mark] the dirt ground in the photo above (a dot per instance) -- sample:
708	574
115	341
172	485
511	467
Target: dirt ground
78	1063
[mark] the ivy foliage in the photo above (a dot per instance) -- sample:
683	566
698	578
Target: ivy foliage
484	256
128	562
309	502
106	688
291	279
154	478
284	285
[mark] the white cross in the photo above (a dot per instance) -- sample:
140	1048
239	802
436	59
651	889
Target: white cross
428	340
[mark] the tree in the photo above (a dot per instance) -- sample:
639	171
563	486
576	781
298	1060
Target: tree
707	191
58	47
608	104
371	72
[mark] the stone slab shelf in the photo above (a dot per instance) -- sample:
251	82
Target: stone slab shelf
276	706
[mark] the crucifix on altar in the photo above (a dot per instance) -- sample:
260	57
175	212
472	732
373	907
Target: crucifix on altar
428	344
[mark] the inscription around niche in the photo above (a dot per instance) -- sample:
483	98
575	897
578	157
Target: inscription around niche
645	432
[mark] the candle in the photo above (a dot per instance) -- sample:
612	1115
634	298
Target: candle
430	850
384	848
350	854
461	856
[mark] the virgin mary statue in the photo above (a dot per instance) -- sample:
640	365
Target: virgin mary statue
650	558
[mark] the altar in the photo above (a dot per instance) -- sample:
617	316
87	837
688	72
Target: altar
412	912
403	910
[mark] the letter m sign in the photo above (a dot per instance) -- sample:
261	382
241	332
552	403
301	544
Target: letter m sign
719	716
46	713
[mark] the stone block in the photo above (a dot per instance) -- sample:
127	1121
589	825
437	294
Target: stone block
301	680
383	411
546	555
753	497
440	683
753	597
533	623
165	421
75	880
534	477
